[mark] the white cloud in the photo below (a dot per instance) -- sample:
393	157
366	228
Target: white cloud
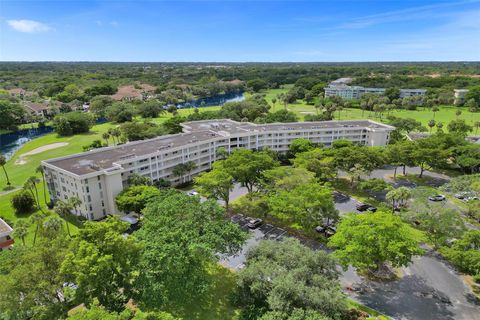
28	26
114	23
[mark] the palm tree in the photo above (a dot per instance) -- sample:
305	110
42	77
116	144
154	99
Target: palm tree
458	113
274	100
116	133
74	202
439	126
476	125
3	162
398	196
222	153
31	184
435	109
51	226
431	124
37	219
21	230
64	209
110	132
105	136
42	172
363	106
190	166
180	170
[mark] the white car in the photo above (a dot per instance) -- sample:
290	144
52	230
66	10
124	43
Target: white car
192	193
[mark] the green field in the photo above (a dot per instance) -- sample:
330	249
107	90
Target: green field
18	173
445	115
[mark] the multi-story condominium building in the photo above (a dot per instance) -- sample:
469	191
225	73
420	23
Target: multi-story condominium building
5	231
356	92
97	176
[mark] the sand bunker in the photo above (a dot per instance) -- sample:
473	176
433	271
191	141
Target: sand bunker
307	112
21	160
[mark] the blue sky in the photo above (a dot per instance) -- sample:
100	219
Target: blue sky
239	31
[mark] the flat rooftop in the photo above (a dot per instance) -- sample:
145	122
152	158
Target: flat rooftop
105	158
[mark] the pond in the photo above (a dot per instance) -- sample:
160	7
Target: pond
217	100
12	141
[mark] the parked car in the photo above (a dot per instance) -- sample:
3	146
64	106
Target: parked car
192	193
254	223
467	199
461	195
365	207
437	197
327	230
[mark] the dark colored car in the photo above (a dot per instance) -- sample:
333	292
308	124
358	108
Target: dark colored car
437	197
328	231
254	223
365	207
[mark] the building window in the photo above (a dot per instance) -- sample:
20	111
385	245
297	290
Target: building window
88	189
100	186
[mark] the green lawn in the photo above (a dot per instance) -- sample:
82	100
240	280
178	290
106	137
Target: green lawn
19	173
445	115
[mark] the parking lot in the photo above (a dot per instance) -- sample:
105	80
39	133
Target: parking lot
264	232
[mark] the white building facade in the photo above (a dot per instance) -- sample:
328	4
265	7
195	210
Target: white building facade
356	92
97	176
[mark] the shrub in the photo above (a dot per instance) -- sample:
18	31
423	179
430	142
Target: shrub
23	202
72	123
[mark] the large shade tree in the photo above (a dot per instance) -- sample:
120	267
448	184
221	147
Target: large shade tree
285	278
182	237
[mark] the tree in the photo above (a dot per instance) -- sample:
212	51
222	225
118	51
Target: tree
285	178
477	126
431	124
97	312
40	170
11	115
429	153
398	197
285	278
66	124
51	227
257	84
392	93
246	166
150	109
37	219
458	113
21	229
319	161
120	112
23	202
216	184
439	127
106	136
135	198
440	223
31	185
435	109
370	241
64	209
183	169
182	237
99	105
138	180
460	127
473	93
31	286
308	205
299	146
222	153
102	263
465	252
3	162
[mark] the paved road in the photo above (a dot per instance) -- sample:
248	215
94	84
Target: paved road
428	290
